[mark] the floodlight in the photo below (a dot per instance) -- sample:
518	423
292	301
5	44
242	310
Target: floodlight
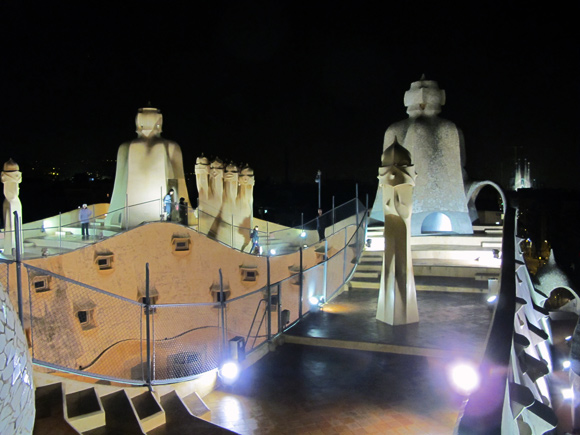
464	377
491	299
313	300
303	234
229	372
272	251
567	393
566	364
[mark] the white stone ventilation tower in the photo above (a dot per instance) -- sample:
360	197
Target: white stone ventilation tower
439	202
11	178
397	303
147	168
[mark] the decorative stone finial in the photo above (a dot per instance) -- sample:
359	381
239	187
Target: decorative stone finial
424	98
396	155
11	166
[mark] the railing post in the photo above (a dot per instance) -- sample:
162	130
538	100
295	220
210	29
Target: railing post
268	246
301	278
332	214
232	244
60	230
223	311
325	266
279	309
147	327
126	211
345	251
356	206
18	266
269	295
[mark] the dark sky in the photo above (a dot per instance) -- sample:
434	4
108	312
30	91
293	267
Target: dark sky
290	87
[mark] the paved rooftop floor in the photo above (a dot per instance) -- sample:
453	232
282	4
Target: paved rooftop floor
341	371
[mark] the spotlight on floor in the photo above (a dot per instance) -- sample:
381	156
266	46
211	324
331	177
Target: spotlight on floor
492	299
229	372
316	301
464	377
313	300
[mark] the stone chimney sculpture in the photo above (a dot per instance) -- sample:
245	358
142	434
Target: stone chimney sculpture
437	147
397	304
225	198
11	178
147	168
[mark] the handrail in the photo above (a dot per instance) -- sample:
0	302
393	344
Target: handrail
43	359
494	367
94	361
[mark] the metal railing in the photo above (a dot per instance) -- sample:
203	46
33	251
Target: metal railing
80	329
507	382
56	234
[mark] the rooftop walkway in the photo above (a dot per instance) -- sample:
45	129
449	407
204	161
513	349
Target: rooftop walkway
340	371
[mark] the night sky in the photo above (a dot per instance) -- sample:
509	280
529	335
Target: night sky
290	87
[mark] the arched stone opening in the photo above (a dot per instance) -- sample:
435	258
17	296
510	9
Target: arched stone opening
481	214
436	223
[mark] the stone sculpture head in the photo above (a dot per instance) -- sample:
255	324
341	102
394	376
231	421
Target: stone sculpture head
397	179
11	166
424	98
216	168
149	122
396	165
246	176
231	172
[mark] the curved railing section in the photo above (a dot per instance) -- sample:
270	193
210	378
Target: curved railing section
78	328
63	232
514	395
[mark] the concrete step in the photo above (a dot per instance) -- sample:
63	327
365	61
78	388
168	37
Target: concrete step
84	410
151	414
50	416
181	421
448	284
364	283
120	414
366	274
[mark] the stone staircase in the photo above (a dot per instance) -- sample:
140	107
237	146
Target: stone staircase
440	263
73	407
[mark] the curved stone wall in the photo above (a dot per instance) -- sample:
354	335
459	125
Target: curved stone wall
16	387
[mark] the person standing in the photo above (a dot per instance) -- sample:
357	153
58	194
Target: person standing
167	201
183	211
319	226
255	237
85	217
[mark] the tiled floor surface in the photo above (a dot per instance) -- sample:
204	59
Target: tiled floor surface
299	389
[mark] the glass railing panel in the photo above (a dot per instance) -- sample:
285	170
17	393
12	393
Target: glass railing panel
290	300
313	286
335	273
